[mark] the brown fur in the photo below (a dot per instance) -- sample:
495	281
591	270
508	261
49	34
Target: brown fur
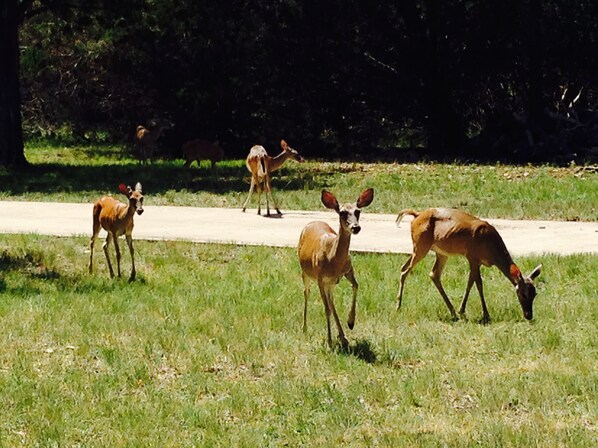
198	150
261	165
449	232
145	140
116	219
324	257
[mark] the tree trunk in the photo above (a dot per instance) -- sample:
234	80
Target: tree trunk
446	134
11	134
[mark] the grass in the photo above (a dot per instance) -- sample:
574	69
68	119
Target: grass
206	349
82	174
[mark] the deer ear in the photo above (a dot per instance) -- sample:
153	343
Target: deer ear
514	271
124	189
284	145
329	200
536	272
138	187
365	198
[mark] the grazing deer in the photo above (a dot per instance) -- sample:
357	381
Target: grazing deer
145	139
260	165
450	232
324	257
116	218
198	150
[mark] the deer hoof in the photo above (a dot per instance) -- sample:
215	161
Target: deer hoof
345	344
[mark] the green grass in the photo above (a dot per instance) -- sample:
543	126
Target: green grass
206	349
82	174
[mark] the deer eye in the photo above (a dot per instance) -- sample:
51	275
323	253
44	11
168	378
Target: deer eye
344	214
357	213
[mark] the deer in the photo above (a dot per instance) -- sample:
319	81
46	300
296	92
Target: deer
198	150
145	139
116	218
261	165
324	258
451	232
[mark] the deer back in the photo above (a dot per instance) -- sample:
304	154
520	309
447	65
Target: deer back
202	150
454	232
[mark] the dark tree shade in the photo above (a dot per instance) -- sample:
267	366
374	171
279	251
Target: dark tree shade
11	136
337	78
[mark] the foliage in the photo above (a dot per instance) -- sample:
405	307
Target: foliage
207	349
343	78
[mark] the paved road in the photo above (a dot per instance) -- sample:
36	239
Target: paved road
215	225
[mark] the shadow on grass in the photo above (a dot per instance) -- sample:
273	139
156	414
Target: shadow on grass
362	349
38	273
156	178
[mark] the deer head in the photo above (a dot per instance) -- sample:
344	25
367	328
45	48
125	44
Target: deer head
135	196
290	152
348	213
526	291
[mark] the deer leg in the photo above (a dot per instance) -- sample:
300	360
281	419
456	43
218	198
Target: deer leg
323	294
129	239
94	234
251	188
274	201
105	247
306	288
260	188
478	282
435	276
91	244
117	249
350	275
466	295
415	258
341	333
268	194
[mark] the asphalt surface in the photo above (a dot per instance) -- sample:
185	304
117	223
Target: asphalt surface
218	225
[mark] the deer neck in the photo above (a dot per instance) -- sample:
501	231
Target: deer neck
340	247
277	161
504	263
127	211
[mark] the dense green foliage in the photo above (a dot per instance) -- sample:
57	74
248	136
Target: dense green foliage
337	78
206	349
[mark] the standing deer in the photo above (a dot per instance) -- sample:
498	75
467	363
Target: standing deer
450	232
198	150
145	139
260	165
116	218
324	257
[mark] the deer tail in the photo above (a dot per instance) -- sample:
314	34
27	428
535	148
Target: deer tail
404	212
262	169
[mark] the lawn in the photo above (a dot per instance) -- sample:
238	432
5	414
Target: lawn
83	173
206	349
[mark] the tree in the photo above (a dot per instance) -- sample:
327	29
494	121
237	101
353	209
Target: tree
12	153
